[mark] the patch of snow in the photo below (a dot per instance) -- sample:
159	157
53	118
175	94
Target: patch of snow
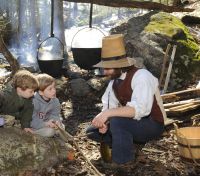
4	72
198	85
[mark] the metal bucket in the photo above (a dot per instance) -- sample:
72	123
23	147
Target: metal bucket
86	47
85	58
188	139
51	67
51	61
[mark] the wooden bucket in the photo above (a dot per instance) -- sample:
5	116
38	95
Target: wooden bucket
106	152
188	139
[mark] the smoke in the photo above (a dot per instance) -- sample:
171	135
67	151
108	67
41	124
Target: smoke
27	34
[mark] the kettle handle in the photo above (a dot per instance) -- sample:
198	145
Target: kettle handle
63	47
83	29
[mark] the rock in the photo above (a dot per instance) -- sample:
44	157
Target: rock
22	151
80	87
98	83
9	120
147	37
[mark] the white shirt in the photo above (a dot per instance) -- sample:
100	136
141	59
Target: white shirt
144	86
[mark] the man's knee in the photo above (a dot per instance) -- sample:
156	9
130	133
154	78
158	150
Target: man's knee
115	123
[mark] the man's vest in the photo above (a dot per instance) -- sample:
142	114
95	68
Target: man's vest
123	92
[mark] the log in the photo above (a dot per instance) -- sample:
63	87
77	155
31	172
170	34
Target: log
181	95
136	4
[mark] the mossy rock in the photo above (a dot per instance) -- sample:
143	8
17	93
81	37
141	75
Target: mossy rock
147	37
187	58
21	151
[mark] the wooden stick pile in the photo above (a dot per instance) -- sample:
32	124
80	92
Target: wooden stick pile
178	103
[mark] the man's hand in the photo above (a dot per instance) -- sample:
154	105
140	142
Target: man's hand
104	129
100	120
28	130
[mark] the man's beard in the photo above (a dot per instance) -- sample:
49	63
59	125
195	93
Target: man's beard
116	74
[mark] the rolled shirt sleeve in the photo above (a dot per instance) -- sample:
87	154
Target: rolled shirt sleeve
144	85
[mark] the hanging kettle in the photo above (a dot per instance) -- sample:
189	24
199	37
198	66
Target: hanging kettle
86	45
50	53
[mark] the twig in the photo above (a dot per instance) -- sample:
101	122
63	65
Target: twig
84	135
69	137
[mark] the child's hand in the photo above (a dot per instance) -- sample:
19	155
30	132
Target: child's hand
60	124
51	124
28	130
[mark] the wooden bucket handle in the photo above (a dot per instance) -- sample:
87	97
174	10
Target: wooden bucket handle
186	141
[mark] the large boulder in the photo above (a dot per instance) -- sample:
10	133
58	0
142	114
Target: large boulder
21	151
147	37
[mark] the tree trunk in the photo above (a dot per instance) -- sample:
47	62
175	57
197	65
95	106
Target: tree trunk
9	57
59	21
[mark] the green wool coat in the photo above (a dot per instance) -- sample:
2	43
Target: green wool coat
12	104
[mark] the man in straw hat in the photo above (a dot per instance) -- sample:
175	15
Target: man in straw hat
132	110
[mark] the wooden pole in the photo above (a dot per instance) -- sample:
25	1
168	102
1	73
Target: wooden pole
169	69
166	56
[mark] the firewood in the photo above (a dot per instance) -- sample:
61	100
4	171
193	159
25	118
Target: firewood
181	95
178	103
183	106
182	110
188	108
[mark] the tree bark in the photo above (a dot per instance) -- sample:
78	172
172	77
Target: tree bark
59	21
135	4
9	57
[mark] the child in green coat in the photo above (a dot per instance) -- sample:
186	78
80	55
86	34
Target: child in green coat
16	100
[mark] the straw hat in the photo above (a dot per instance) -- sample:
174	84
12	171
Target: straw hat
113	53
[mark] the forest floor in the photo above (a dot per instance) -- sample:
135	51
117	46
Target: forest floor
157	158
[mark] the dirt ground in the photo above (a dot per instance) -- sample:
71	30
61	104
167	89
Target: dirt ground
160	157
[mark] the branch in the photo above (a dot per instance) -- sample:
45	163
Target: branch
135	4
9	57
